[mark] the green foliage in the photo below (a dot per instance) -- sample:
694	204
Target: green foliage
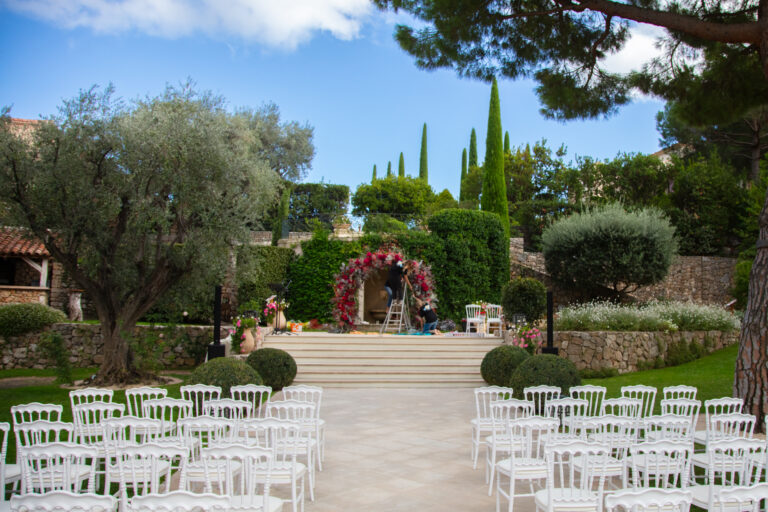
682	352
471	187
321	201
536	215
257	268
609	247
17	319
463	173
443	200
404	197
500	363
147	348
605	372
507	148
470	260
383	224
544	369
53	348
526	296
373	178
225	372
741	281
473	149
423	168
652	316
276	367
401	166
389	170
312	276
280	228
494	192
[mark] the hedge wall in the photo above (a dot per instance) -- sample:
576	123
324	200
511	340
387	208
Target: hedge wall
257	267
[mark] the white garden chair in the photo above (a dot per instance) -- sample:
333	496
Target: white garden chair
482	423
570	412
180	501
647	394
616	434
58	501
723	427
746	499
124	432
228	408
59	467
234	471
147	469
34	411
566	489
88	395
167	410
683	407
649	500
135	397
668	427
493	320
660	464
592	394
199	433
540	395
623	407
473	317
5	428
526	461
303	413
313	394
255	394
725	405
198	394
681	391
497	444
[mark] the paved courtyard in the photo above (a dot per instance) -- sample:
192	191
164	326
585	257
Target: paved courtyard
400	450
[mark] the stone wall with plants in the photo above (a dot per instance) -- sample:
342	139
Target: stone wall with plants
632	351
155	347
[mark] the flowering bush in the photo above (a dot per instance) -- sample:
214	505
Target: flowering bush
272	307
352	275
238	333
527	337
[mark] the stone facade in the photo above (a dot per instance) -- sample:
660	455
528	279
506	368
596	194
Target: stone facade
623	351
85	345
23	294
701	279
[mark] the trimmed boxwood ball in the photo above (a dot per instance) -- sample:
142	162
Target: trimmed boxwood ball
17	319
225	372
277	367
546	369
524	296
500	363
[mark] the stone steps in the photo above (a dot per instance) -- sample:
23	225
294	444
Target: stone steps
360	360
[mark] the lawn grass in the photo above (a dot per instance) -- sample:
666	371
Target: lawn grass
712	375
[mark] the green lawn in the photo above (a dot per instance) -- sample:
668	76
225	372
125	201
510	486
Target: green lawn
712	375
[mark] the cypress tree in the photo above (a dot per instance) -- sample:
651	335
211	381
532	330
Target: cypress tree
494	197
389	169
401	166
374	173
463	173
506	142
423	172
473	149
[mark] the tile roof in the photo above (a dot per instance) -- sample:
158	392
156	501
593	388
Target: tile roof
19	242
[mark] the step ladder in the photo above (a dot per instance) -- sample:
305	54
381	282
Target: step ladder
398	317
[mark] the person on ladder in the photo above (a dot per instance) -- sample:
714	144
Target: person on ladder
394	284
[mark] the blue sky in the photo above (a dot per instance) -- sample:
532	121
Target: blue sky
330	63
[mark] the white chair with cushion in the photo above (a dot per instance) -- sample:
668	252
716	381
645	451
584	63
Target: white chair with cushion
59	467
681	391
313	394
616	434
302	413
228	408
180	501
592	394
570	412
199	433
497	444
482	423
569	490
494	320
725	405
649	500
147	469
124	432
473	317
646	394
58	501
660	464
746	499
540	395
255	394
134	398
169	411
198	394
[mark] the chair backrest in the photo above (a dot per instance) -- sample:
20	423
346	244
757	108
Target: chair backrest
287	440
624	407
730	426
303	412
669	427
168	410
570	411
617	433
198	394
146	469
304	393
5	428
747	499
681	391
591	393
135	397
128	431
673	500
58	467
473	311
228	408
485	395
581	487
540	395
43	432
528	436
180	501
88	419
87	395
493	312
683	407
661	464
510	409
645	393
725	405
222	467
34	411
255	394
200	432
256	431
63	500
732	462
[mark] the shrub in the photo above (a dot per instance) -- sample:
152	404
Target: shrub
470	260
277	367
16	319
224	372
383	223
53	348
499	364
545	369
609	248
526	296
257	268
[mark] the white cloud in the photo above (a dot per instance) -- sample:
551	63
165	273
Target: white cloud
640	49
278	23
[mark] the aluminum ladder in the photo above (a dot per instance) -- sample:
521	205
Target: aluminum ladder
398	316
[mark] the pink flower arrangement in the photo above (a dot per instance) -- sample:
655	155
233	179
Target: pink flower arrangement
528	338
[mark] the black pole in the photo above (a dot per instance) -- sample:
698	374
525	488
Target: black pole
550	348
216	349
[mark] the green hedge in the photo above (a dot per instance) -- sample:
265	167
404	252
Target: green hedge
277	367
17	319
470	261
526	296
500	363
544	369
257	267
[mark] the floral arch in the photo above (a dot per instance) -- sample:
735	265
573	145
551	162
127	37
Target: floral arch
354	273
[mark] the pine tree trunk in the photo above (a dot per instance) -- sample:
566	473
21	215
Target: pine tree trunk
751	376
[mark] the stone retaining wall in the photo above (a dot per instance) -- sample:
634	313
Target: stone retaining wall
23	294
623	351
181	346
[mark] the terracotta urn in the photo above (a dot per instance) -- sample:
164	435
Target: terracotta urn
248	343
